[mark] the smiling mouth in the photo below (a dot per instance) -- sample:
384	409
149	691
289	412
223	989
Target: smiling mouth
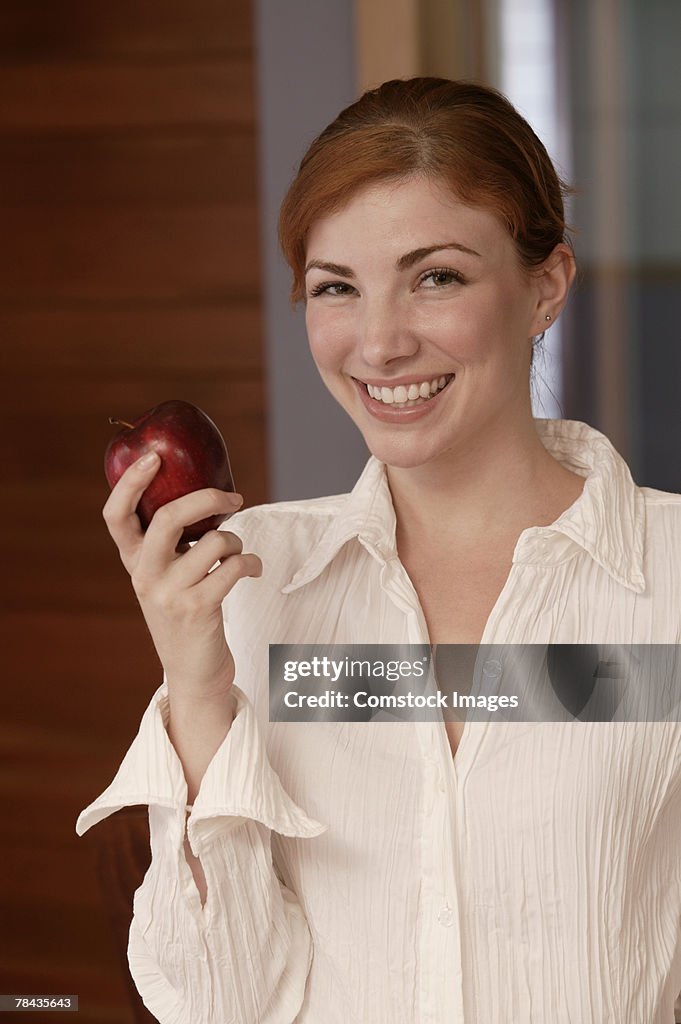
407	396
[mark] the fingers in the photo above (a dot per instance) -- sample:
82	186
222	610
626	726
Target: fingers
169	521
215	587
151	554
119	510
212	567
214	546
180	591
201	579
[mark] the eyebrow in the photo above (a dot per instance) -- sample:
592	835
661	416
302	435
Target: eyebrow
403	263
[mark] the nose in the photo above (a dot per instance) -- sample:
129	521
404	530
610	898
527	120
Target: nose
384	333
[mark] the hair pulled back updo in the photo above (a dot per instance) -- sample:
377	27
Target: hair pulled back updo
467	136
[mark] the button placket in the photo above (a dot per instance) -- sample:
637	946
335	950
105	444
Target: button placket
442	977
447	916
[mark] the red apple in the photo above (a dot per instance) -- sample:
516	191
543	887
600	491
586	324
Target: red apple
193	456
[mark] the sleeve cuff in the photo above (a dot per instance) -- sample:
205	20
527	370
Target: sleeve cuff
239	784
150	773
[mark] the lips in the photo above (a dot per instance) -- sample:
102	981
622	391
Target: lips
408	393
401	412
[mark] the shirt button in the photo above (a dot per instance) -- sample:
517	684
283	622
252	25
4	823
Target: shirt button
446	916
492	668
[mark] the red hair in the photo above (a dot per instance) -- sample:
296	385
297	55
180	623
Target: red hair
468	136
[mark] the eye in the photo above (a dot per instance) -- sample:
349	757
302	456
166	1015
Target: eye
331	288
440	277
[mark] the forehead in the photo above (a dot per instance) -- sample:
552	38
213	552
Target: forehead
412	212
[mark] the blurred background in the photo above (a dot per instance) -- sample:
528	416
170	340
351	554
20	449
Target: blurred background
144	150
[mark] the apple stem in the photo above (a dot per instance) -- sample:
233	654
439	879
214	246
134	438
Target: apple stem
120	423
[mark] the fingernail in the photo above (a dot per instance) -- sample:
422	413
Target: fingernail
236	499
148	460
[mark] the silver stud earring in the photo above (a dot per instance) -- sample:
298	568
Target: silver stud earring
548	316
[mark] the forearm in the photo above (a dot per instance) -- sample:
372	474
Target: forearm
196	728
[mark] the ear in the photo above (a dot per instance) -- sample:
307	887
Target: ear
553	281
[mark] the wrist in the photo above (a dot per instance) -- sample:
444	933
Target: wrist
217	695
210	715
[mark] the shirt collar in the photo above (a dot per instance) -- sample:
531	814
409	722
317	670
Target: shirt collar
607	520
366	513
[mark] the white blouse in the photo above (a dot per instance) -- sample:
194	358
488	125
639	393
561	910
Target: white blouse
357	873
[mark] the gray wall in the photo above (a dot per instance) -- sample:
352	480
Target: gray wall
656	121
647	222
306	75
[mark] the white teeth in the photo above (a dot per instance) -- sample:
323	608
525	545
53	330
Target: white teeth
411	393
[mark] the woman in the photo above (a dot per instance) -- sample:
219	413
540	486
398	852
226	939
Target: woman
416	872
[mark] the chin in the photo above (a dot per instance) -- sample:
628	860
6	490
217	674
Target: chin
398	456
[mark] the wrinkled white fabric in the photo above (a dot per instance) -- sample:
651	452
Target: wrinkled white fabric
357	873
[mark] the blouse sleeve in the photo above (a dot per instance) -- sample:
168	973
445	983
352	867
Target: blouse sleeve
246	954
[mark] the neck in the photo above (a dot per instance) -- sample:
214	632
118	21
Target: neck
491	491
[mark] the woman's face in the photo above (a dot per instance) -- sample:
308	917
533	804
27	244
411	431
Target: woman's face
408	290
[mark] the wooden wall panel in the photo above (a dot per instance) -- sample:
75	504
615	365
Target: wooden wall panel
39	98
129	274
107	255
223	338
36	30
103	687
83	170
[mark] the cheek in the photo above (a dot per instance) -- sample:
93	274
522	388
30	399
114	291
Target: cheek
479	330
464	330
328	339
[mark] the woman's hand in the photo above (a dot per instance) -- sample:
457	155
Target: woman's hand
179	596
